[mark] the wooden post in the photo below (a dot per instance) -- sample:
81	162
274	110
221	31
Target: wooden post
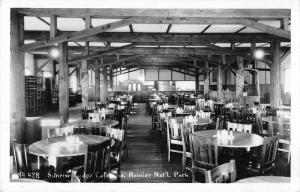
53	73
105	84
97	81
111	80
53	33
84	70
17	79
196	78
63	91
219	81
84	80
239	78
78	77
206	81
275	94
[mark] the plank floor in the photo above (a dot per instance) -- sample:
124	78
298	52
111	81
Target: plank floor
146	162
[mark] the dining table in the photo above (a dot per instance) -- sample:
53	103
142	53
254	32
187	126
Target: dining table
199	121
265	179
51	148
239	140
92	124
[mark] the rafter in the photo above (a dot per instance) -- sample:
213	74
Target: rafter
80	34
169	27
266	28
100	53
43	65
208	26
193	38
129	71
131	28
125	13
121	60
287	53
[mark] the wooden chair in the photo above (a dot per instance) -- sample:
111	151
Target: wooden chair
23	163
225	173
22	160
263	160
163	118
175	138
204	152
96	163
116	152
155	116
284	138
219	124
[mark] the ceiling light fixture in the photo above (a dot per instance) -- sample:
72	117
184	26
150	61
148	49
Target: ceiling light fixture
54	53
259	54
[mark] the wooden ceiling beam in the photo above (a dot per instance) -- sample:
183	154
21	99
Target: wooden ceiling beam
121	60
43	65
266	28
100	53
125	13
193	38
129	70
81	34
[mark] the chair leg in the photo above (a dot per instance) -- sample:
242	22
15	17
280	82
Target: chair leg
169	154
183	161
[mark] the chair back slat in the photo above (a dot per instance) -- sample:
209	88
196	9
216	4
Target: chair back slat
175	130
225	173
204	150
96	158
269	150
21	158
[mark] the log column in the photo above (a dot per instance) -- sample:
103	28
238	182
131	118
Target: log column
17	79
53	33
196	78
206	80
105	84
84	70
53	73
219	81
239	78
111	81
275	94
97	81
63	90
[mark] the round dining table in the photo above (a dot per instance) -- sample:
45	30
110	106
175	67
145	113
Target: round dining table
52	148
265	179
59	147
240	139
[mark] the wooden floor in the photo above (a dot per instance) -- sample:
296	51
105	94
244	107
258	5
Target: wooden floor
146	160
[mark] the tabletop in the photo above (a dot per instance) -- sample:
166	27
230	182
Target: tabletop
90	124
200	121
265	179
240	140
275	119
28	180
58	147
